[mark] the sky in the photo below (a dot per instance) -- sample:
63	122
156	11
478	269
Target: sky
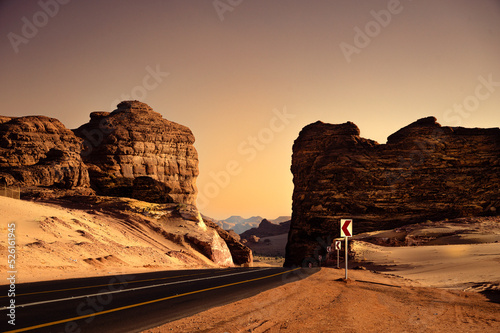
247	75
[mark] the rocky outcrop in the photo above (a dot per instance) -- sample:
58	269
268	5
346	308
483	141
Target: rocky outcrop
40	151
131	152
213	246
241	254
134	152
423	172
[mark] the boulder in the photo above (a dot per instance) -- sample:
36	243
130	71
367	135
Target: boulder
241	254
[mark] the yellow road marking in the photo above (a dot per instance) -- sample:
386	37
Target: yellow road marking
104	285
144	303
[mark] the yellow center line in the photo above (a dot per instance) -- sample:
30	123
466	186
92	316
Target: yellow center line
105	285
144	303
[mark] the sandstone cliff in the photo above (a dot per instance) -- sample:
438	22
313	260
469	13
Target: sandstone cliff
131	152
40	151
423	172
134	152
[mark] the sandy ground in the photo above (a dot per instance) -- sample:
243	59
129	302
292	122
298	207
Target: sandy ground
457	266
451	287
270	246
267	261
367	302
60	243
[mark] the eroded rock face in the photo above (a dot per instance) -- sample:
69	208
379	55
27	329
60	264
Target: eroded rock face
241	254
40	151
134	143
424	172
131	152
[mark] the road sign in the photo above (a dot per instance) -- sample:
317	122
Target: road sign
328	249
346	232
345	228
337	247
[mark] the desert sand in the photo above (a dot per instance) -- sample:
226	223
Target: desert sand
270	246
457	266
61	243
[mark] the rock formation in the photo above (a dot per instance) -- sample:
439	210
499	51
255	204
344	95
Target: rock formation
205	239
241	254
423	172
134	152
40	151
131	152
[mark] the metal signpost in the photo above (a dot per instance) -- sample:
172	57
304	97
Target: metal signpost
346	232
338	244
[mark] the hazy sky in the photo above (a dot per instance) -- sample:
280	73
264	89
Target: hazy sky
247	75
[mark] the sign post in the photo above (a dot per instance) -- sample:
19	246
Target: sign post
337	247
346	232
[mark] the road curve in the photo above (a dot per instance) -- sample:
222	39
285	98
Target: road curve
134	302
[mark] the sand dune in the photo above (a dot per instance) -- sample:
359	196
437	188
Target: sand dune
59	243
462	253
445	266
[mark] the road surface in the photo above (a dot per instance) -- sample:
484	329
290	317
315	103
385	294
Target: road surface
131	303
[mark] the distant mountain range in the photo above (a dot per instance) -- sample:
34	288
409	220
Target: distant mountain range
267	229
240	224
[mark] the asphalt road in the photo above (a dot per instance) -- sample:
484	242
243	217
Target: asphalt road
131	303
